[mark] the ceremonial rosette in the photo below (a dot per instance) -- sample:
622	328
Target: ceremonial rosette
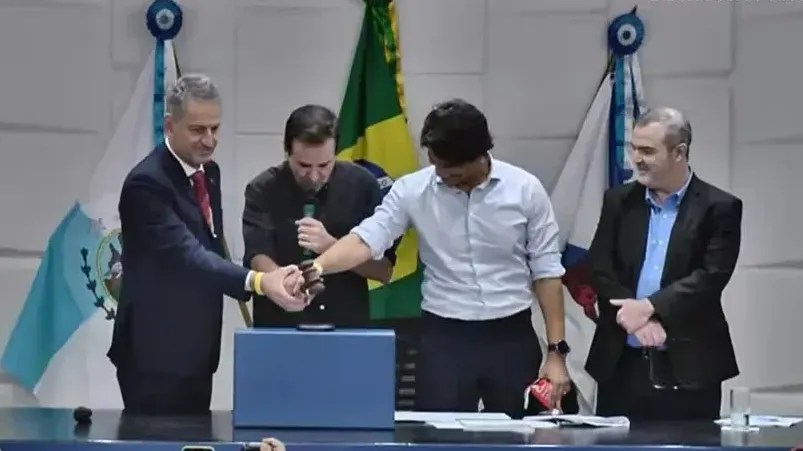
164	19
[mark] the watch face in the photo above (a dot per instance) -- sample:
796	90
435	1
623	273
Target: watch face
560	347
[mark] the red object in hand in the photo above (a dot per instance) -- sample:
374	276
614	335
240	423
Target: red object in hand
541	390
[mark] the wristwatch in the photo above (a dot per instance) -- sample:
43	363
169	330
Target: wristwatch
560	347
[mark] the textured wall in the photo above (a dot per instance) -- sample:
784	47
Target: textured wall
735	67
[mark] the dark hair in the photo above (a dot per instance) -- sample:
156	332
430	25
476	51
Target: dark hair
678	128
311	124
456	132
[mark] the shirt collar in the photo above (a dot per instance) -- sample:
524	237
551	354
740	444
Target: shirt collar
287	173
188	170
673	199
494	174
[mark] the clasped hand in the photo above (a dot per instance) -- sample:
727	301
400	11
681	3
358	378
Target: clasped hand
283	287
635	316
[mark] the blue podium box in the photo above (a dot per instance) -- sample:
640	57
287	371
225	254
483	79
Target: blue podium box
339	379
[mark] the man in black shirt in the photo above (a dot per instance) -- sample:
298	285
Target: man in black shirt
336	196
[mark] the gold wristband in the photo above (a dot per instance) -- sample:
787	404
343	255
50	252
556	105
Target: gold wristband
317	267
258	283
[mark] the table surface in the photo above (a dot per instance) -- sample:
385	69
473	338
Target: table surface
57	425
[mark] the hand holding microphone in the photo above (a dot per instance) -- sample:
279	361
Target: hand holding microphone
312	235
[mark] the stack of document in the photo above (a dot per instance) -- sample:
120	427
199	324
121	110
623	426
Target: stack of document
480	421
580	420
449	420
764	421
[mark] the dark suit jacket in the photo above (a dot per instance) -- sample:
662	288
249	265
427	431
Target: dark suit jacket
174	273
701	255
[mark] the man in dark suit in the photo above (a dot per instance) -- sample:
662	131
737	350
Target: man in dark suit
166	341
664	250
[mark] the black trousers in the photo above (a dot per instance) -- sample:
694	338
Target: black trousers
631	392
164	394
460	362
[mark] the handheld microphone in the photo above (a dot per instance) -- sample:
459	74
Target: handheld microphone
309	212
310	322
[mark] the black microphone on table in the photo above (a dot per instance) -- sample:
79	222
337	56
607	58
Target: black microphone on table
83	421
82	415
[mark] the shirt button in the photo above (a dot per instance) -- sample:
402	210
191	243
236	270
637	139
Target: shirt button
654	267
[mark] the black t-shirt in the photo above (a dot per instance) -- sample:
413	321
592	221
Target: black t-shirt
273	202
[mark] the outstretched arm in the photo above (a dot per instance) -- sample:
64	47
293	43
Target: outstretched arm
146	211
372	237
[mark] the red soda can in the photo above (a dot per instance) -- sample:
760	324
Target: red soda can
541	390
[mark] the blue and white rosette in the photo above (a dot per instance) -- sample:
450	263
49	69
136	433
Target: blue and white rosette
625	36
163	20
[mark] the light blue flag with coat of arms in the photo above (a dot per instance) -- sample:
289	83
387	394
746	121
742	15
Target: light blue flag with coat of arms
597	162
57	349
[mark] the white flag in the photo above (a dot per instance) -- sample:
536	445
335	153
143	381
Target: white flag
58	347
596	162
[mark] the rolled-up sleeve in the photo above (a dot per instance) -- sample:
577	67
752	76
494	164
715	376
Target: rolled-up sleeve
543	239
389	221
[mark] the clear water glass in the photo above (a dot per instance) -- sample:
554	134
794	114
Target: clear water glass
739	407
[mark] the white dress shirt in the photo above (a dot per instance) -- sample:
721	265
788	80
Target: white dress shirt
189	170
482	250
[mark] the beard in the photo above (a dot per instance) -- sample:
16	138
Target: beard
309	185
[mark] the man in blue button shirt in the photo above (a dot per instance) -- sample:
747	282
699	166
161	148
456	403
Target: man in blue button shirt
665	248
488	239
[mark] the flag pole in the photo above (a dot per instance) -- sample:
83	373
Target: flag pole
164	19
244	313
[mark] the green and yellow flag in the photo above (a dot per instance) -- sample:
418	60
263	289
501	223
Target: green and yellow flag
374	134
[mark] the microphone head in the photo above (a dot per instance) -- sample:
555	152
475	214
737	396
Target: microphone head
310	202
309	210
82	415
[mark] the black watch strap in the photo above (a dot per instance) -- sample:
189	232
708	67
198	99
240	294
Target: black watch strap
560	347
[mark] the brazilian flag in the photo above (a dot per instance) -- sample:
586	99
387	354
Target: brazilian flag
374	134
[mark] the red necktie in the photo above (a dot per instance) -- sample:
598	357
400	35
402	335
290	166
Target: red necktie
202	196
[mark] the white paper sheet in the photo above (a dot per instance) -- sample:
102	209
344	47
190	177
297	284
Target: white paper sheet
765	421
440	417
581	420
505	425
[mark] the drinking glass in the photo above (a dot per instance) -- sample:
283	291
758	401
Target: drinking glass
739	408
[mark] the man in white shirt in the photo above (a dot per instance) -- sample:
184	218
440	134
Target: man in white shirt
488	238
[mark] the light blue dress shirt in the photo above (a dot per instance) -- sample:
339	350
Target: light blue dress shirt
662	219
482	250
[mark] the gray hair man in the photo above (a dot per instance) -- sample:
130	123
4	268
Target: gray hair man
665	248
166	340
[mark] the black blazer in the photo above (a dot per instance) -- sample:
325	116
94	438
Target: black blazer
174	273
701	256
